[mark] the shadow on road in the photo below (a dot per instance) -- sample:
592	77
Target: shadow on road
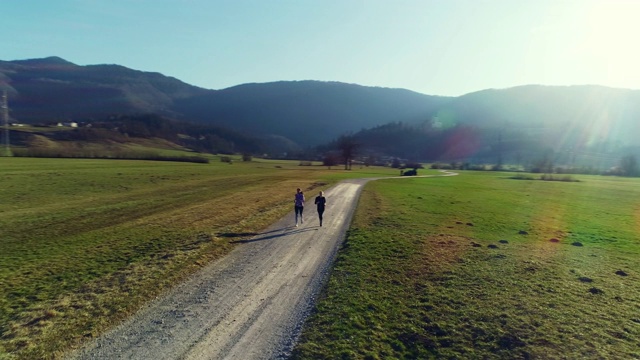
231	235
280	232
245	234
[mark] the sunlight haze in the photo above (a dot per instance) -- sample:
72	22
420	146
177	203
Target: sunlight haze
433	47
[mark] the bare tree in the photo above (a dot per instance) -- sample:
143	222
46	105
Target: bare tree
348	147
629	165
331	159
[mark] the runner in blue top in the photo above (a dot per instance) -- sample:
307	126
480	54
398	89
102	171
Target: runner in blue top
298	203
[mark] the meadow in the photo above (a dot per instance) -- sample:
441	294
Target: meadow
483	266
86	242
478	265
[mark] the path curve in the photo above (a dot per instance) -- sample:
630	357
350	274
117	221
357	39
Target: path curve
251	304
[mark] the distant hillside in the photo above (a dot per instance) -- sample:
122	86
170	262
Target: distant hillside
578	115
119	133
309	112
55	89
306	112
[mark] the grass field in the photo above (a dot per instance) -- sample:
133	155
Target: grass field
84	243
481	266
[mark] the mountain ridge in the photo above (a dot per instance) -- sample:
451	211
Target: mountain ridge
311	112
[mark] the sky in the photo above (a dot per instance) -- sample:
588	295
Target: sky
435	47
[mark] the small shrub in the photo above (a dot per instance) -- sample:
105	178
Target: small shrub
568	178
441	166
226	159
117	154
413	165
565	178
476	167
522	177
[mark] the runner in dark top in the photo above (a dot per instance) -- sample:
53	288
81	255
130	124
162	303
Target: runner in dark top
320	203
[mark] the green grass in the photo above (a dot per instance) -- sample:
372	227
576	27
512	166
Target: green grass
438	268
86	242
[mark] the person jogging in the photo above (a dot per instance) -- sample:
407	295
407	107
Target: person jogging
298	203
321	201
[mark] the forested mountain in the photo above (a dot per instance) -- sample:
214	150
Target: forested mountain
580	125
306	112
309	112
55	89
580	114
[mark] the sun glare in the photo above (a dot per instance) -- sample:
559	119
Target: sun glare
610	40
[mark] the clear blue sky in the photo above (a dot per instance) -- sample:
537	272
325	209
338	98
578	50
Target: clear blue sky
444	47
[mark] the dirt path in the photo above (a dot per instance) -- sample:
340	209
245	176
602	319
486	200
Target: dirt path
250	304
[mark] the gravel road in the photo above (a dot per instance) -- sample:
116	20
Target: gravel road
250	304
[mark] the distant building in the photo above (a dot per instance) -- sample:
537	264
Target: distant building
72	124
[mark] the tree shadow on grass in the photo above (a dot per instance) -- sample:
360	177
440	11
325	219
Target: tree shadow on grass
268	235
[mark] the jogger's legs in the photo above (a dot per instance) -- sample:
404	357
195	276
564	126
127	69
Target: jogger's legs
298	210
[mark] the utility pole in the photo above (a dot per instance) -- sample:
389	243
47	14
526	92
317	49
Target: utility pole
5	117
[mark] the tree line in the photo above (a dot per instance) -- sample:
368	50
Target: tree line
198	137
467	147
393	144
